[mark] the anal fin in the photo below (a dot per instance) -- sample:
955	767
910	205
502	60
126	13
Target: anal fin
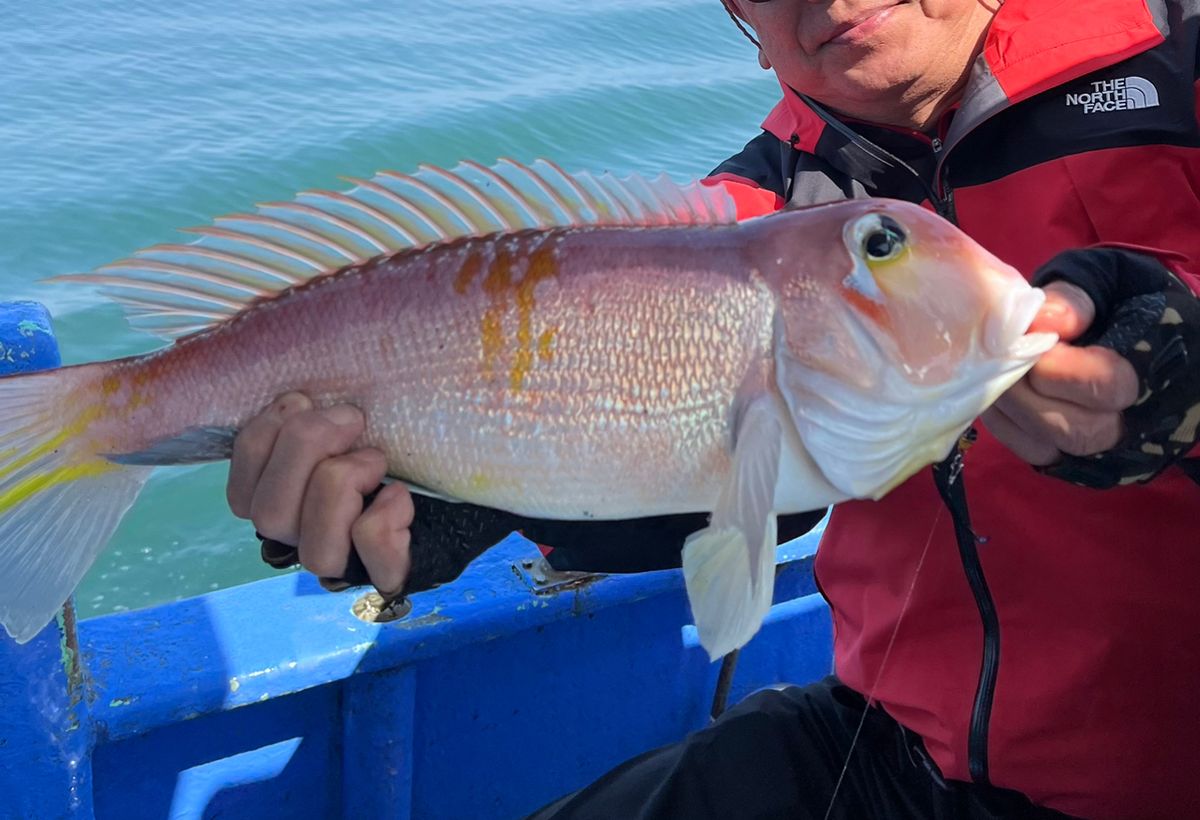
195	445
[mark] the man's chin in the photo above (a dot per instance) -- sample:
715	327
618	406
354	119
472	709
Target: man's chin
866	89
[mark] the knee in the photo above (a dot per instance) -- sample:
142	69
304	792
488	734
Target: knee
771	700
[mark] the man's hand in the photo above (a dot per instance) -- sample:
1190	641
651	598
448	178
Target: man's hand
1071	401
296	475
1121	404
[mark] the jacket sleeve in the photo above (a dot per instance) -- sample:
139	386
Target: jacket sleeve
748	198
637	545
755	176
445	537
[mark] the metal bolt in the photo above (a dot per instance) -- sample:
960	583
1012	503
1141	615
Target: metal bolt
373	609
539	579
527	563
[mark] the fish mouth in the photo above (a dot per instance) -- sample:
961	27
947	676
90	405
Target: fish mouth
1004	336
1006	332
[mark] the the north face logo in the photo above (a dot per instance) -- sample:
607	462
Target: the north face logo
1116	95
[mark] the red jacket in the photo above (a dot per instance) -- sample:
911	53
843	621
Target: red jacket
1078	126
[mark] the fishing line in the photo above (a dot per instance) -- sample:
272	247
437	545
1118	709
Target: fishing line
879	675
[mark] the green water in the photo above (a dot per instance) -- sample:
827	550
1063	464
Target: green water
121	123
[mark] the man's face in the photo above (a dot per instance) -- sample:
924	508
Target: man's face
866	57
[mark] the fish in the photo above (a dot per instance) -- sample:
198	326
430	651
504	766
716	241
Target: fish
560	346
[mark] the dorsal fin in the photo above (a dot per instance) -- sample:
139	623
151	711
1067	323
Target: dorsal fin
173	289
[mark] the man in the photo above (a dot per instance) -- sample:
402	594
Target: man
1031	647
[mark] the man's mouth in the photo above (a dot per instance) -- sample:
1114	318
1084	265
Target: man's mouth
861	25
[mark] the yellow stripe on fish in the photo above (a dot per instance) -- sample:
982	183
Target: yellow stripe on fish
37	483
44	448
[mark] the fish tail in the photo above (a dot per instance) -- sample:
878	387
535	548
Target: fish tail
60	498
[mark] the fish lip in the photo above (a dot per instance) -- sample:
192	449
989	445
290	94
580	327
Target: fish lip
841	27
1006	332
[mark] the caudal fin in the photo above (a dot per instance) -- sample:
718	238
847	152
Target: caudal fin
60	500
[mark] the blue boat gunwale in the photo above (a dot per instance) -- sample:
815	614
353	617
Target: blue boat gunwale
283	635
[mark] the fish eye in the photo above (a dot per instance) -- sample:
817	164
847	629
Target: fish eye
885	241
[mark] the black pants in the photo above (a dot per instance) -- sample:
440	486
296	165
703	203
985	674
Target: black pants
779	754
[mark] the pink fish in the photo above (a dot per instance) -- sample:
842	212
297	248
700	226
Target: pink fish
566	347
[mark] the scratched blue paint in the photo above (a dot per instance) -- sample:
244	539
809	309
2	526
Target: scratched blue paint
27	340
272	699
44	732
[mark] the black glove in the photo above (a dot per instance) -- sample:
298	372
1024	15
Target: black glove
1152	319
447	536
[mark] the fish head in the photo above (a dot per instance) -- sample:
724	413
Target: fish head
894	331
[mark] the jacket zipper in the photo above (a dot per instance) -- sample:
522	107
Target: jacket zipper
968	548
943	201
950	485
981	710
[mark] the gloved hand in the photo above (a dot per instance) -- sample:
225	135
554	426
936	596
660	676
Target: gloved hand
1145	314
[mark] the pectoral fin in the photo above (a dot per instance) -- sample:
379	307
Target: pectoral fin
729	566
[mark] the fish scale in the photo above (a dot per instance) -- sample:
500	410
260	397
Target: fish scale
533	449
